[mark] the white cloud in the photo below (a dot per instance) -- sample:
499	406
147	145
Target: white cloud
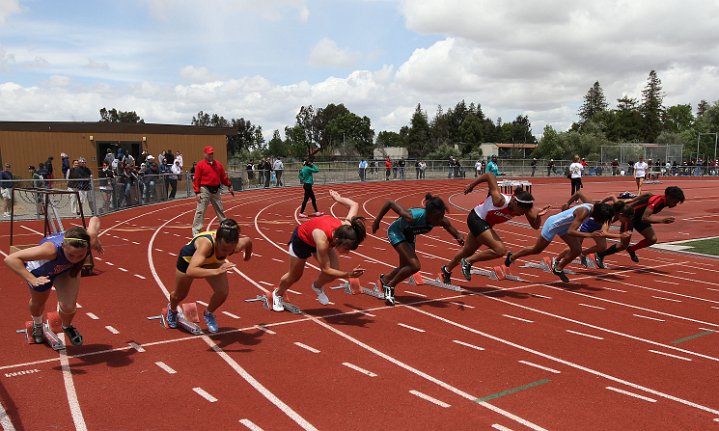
327	53
196	74
7	8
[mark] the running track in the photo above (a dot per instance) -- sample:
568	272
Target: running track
633	347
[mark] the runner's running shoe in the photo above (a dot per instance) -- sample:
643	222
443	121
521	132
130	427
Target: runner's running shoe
633	255
171	317
389	295
446	275
466	269
277	302
210	321
600	261
321	297
37	335
73	334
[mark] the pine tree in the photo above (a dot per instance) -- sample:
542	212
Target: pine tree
594	102
651	108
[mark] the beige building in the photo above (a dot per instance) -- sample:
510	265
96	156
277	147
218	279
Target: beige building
25	143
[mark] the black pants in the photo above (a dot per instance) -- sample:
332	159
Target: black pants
278	175
172	188
309	194
576	185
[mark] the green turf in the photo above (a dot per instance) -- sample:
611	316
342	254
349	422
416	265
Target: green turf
706	246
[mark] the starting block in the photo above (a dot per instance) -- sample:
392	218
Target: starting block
266	301
351	288
417	280
187	318
546	265
499	272
588	262
50	330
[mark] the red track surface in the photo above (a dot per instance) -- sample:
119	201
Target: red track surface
603	352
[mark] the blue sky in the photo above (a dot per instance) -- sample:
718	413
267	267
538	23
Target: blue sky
262	60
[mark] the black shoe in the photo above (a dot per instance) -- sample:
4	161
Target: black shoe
584	261
633	256
37	334
600	261
446	275
389	295
466	269
74	335
560	274
508	259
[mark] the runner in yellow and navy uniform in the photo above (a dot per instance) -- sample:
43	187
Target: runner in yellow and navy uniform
205	256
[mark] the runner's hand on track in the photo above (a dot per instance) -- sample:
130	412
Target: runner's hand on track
357	272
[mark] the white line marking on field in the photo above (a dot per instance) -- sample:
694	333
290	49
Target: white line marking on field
666	282
500	427
415	293
266	283
77	418
686	272
109	263
705	329
459	304
584	335
715	290
306	347
122	269
204	394
135	242
632	394
250	425
468	345
294	292
92	316
112	330
267	330
139	276
536	295
649	318
172	254
204	304
278	260
593	306
428	398
378	248
716	420
136	346
166	368
666	299
532	364
518	318
227	313
78	305
526	274
411	327
613	289
359	369
671	356
159	250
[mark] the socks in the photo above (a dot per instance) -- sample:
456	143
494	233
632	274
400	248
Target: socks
640	245
607	252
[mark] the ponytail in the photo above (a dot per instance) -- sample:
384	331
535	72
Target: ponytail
352	235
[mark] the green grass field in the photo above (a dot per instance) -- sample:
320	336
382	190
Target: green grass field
705	246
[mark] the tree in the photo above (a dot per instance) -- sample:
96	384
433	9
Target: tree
702	107
352	134
651	108
594	102
678	118
115	116
390	139
277	146
418	138
627	124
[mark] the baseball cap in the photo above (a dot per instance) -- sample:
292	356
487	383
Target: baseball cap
209	150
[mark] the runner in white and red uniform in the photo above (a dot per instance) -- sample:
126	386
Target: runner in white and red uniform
497	208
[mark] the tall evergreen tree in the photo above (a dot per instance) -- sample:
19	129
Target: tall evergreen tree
594	102
651	108
418	141
702	107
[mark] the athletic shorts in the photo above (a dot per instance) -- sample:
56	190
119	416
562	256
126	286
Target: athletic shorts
475	223
299	248
42	288
182	264
396	235
635	224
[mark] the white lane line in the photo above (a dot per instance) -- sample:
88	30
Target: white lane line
278	260
468	345
136	346
204	304
139	276
359	369
306	347
262	328
613	289
5	421
517	318
379	248
596	307
266	283
526	274
666	299
135	242
706	329
204	394
500	427
647	317
713	290
411	327
459	304
172	254
227	313
532	364
686	272
159	250
250	425
122	269
632	394
168	369
109	263
112	330
77	417
421	295
92	316
430	399
77	305
294	292
98	258
584	335
536	295
671	356
666	282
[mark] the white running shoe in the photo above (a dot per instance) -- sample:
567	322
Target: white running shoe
318	213
277	302
324	300
302	215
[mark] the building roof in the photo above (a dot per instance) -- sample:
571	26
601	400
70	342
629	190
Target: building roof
528	146
105	127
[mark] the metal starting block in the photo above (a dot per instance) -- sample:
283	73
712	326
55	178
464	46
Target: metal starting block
417	280
499	272
587	262
187	318
266	301
50	330
546	265
374	291
351	288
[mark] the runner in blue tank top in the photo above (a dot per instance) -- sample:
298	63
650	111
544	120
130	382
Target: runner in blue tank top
56	261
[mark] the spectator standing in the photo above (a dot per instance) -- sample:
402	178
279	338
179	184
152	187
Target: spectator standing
192	171
85	185
640	173
401	165
268	172
279	169
550	167
250	168
493	167
533	165
422	169
260	172
307	180
173	176
73	184
65	160
150	177
575	175
107	186
210	175
478	169
416	168
178	157
362	170
395	166
38	183
49	168
109	156
630	167
615	167
387	168
6	186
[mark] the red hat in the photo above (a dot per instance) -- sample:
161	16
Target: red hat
209	150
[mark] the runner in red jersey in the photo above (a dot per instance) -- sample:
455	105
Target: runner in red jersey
495	209
325	237
645	210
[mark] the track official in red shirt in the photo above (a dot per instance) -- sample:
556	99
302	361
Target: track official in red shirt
210	175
